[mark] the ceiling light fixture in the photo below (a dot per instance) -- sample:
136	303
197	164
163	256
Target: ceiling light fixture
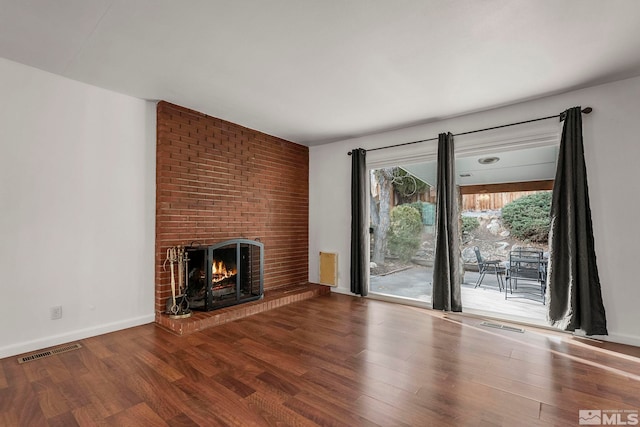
488	160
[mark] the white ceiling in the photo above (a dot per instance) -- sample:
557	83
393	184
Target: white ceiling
529	164
314	71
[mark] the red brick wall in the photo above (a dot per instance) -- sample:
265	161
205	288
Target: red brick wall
216	180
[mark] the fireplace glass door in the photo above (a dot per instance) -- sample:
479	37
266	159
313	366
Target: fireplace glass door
225	274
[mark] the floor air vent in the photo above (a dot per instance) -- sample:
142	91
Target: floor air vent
47	353
499	326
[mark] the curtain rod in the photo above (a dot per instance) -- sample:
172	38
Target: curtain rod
562	115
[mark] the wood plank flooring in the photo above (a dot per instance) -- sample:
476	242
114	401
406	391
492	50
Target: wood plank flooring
334	360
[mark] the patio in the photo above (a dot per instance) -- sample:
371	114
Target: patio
415	283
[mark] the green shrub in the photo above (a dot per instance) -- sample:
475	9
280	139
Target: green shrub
469	223
417	206
405	231
528	218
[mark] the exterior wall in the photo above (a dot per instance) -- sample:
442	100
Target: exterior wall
76	209
218	181
611	149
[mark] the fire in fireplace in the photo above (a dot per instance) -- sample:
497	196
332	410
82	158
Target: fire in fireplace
224	274
219	271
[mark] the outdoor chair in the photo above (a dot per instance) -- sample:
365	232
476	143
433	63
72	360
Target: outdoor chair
526	265
493	266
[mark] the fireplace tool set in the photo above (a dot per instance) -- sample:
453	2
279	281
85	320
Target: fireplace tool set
177	305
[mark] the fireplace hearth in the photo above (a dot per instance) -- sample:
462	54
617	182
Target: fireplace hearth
224	274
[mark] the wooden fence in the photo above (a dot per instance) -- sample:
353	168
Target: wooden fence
490	201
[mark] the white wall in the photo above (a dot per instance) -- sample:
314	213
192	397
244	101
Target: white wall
77	201
612	147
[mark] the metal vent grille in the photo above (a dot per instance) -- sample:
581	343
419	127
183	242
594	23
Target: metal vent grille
47	353
499	326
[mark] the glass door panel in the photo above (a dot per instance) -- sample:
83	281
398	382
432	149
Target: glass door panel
402	218
504	206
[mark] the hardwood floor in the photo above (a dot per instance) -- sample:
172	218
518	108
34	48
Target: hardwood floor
330	360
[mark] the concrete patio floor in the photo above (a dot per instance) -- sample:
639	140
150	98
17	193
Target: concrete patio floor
415	283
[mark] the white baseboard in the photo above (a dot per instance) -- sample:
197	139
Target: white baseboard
38	344
613	337
343	291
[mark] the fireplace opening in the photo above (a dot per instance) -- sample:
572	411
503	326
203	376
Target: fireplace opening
224	274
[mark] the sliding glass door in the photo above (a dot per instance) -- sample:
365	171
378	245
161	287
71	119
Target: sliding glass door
505	203
402	217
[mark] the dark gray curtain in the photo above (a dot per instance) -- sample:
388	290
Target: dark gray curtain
446	268
359	223
574	296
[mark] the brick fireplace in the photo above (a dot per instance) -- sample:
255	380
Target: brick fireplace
218	181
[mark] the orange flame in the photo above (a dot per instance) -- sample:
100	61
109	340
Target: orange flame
220	271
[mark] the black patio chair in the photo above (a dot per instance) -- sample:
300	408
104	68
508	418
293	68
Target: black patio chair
493	266
530	267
